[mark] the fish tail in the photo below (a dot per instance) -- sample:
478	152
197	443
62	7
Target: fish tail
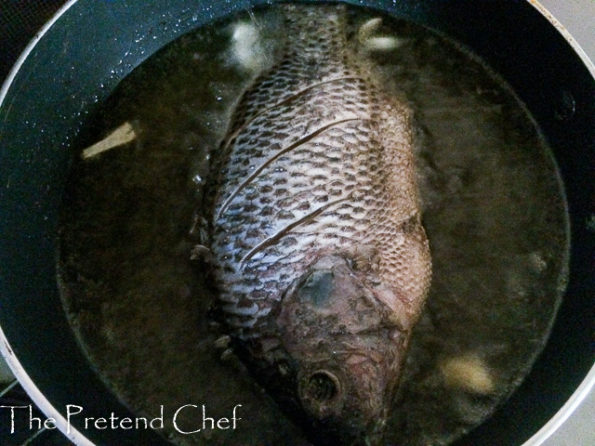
315	31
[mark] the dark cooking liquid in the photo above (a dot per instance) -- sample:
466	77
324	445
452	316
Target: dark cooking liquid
493	211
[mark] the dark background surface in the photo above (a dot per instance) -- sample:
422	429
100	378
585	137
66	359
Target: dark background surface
19	21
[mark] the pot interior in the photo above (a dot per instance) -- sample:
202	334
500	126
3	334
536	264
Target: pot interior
39	125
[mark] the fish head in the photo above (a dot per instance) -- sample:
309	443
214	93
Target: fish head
347	346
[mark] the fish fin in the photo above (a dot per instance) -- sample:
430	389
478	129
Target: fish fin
198	231
222	342
227	354
231	359
224	348
202	254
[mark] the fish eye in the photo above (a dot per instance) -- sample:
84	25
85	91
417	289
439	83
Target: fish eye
321	387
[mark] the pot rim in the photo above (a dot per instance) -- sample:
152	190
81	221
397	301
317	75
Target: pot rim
13	362
586	387
561	416
577	398
566	33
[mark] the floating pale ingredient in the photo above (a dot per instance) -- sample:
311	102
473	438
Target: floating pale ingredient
120	136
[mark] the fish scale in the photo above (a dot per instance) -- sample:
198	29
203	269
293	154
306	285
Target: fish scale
316	160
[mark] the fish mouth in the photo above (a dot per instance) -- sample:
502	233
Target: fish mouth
321	393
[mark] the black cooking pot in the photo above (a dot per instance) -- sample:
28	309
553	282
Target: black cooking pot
78	60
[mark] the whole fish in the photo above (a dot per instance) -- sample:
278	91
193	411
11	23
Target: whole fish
320	258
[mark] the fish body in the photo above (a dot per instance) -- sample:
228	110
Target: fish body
320	258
